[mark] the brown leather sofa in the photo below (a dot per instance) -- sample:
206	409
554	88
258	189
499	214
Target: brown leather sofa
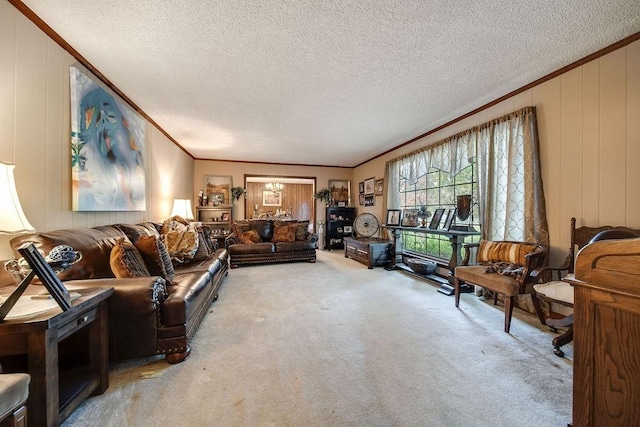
147	315
268	248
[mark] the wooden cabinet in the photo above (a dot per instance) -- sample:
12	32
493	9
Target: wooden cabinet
338	225
607	334
218	218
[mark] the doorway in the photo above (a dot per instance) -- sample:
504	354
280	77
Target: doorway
268	196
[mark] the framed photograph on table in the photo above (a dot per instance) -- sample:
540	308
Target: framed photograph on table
369	186
451	213
393	216
435	220
410	218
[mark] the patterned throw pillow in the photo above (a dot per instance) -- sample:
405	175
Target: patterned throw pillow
250	237
239	227
284	233
203	251
156	257
513	253
125	260
301	230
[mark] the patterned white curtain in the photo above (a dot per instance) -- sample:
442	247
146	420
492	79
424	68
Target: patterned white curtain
511	198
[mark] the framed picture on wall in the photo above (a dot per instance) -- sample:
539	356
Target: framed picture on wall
369	186
361	199
340	191
379	186
271	198
217	188
361	188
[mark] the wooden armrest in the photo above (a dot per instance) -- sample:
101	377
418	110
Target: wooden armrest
467	252
541	271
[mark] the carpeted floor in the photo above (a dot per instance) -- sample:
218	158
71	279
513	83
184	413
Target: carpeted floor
336	344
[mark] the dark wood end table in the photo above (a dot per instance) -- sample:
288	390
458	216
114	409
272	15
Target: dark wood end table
56	388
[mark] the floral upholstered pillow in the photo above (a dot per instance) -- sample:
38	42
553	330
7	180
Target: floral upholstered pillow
125	260
284	233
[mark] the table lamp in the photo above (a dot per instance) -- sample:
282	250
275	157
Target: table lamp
182	208
12	221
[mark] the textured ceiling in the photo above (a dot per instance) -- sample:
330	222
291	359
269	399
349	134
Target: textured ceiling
325	82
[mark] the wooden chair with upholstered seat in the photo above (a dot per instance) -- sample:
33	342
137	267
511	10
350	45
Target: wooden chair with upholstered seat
14	391
513	263
559	292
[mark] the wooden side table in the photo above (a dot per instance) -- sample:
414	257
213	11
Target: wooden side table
58	387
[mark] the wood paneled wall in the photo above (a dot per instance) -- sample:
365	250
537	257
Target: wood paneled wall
297	199
589	127
35	135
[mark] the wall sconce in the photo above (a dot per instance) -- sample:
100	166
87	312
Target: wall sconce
274	186
182	208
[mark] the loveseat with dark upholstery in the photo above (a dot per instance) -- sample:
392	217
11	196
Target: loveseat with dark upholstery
147	315
264	241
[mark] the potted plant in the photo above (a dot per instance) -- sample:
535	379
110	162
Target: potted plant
324	195
236	192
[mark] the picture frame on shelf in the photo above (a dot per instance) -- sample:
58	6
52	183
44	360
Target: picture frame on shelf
271	198
225	216
451	214
340	191
379	186
410	218
217	187
361	188
435	220
394	216
369	186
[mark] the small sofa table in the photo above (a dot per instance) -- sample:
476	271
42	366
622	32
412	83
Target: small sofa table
54	393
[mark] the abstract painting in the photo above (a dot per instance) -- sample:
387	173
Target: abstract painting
107	149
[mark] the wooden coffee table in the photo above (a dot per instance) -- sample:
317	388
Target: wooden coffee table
57	385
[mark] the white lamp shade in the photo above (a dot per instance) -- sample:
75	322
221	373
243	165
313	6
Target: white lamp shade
12	219
182	207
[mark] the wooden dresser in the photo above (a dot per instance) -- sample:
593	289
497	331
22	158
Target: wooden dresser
606	379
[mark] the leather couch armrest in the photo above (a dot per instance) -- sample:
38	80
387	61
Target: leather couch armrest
232	239
134	313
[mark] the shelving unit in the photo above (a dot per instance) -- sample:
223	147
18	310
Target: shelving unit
218	218
339	224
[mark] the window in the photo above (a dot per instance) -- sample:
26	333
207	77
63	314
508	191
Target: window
433	190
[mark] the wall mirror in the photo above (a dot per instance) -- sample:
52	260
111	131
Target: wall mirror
280	196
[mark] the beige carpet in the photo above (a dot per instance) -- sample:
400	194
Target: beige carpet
336	344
